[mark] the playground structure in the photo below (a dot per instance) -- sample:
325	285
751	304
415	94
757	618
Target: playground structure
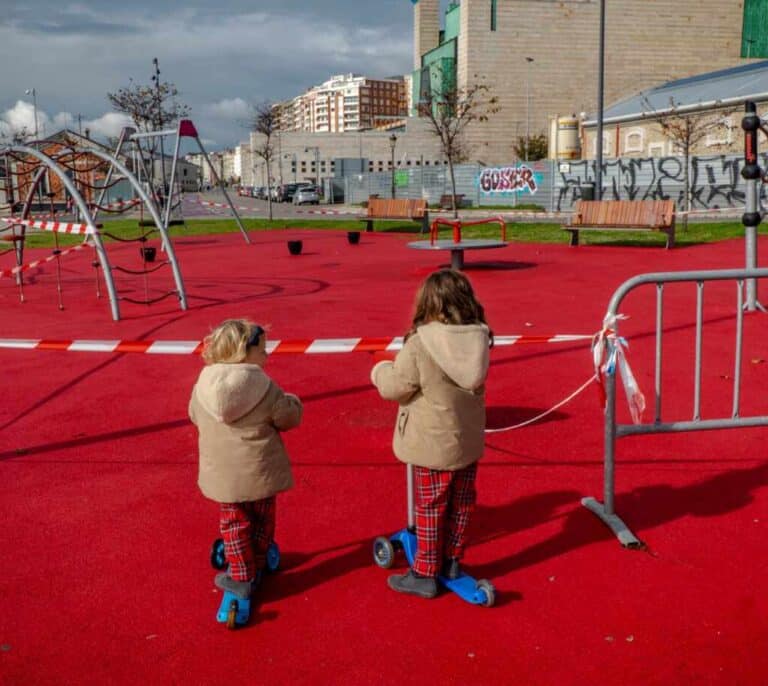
165	190
36	171
457	245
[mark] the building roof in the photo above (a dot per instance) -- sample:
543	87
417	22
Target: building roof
704	91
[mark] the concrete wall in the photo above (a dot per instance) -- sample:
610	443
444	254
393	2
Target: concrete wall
647	43
411	144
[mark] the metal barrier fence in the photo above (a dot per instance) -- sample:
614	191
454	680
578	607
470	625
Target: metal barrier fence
715	182
614	430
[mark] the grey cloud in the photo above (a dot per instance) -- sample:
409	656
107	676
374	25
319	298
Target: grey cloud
213	51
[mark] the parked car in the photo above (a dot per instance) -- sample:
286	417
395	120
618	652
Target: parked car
287	191
306	195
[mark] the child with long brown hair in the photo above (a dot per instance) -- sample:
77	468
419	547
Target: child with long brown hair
239	412
438	378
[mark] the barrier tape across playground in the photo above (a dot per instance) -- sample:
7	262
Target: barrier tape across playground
300	346
58	227
36	263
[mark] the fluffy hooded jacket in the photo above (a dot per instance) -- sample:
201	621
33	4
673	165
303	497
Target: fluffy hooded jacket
438	377
239	413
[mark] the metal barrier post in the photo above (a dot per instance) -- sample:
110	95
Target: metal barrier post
614	430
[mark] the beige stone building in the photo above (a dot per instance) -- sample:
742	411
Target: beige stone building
712	103
540	57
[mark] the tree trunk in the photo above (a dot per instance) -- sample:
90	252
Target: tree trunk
687	193
453	189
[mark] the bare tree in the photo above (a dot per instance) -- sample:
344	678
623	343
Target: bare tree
687	130
151	108
450	110
265	121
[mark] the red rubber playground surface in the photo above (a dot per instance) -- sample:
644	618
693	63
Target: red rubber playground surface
104	572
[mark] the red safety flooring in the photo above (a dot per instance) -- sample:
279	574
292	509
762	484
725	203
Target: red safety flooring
104	572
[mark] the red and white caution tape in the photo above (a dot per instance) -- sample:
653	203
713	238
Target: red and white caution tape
36	263
58	227
222	205
362	216
299	345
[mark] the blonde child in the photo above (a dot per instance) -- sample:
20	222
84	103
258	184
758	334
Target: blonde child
438	379
239	413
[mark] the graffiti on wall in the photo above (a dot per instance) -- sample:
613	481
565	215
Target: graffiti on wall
715	182
511	179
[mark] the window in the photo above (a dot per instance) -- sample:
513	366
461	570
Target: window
606	144
633	140
493	15
721	132
656	149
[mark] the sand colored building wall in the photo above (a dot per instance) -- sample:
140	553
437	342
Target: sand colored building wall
647	43
426	28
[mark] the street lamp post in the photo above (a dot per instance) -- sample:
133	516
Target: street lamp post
529	60
33	93
392	144
600	76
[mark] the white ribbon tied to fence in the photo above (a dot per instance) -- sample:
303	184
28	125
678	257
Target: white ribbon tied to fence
608	354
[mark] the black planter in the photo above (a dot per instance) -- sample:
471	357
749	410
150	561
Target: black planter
294	247
148	253
353	237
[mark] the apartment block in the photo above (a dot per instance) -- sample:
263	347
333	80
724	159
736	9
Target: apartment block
346	102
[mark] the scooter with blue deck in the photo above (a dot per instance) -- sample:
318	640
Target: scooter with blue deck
235	611
476	592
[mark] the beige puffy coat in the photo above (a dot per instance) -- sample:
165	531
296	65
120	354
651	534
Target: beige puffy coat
239	412
438	378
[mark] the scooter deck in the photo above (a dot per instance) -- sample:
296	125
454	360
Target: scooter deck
242	612
464	586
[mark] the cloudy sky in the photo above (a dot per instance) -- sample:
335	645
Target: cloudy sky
223	55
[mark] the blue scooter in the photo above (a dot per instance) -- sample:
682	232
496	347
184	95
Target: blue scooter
476	592
234	611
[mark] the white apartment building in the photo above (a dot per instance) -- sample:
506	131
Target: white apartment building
346	102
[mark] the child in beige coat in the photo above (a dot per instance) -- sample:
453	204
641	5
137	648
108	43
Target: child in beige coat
438	378
239	412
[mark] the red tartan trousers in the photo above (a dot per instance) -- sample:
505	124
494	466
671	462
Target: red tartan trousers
444	502
247	530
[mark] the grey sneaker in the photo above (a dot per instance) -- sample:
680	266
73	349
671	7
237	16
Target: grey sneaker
422	586
451	569
242	589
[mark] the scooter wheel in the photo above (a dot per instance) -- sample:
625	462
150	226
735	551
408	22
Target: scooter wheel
383	552
488	591
232	615
218	558
273	557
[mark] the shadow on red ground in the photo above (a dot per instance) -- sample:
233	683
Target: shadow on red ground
104	573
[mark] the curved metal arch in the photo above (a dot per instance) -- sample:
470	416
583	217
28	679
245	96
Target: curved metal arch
83	207
152	208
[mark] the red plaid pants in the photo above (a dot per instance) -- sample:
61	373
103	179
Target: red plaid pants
247	530
444	501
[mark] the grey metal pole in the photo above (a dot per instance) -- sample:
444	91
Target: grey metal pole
600	88
752	174
528	108
224	190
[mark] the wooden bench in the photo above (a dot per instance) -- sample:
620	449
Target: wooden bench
445	201
412	210
623	215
